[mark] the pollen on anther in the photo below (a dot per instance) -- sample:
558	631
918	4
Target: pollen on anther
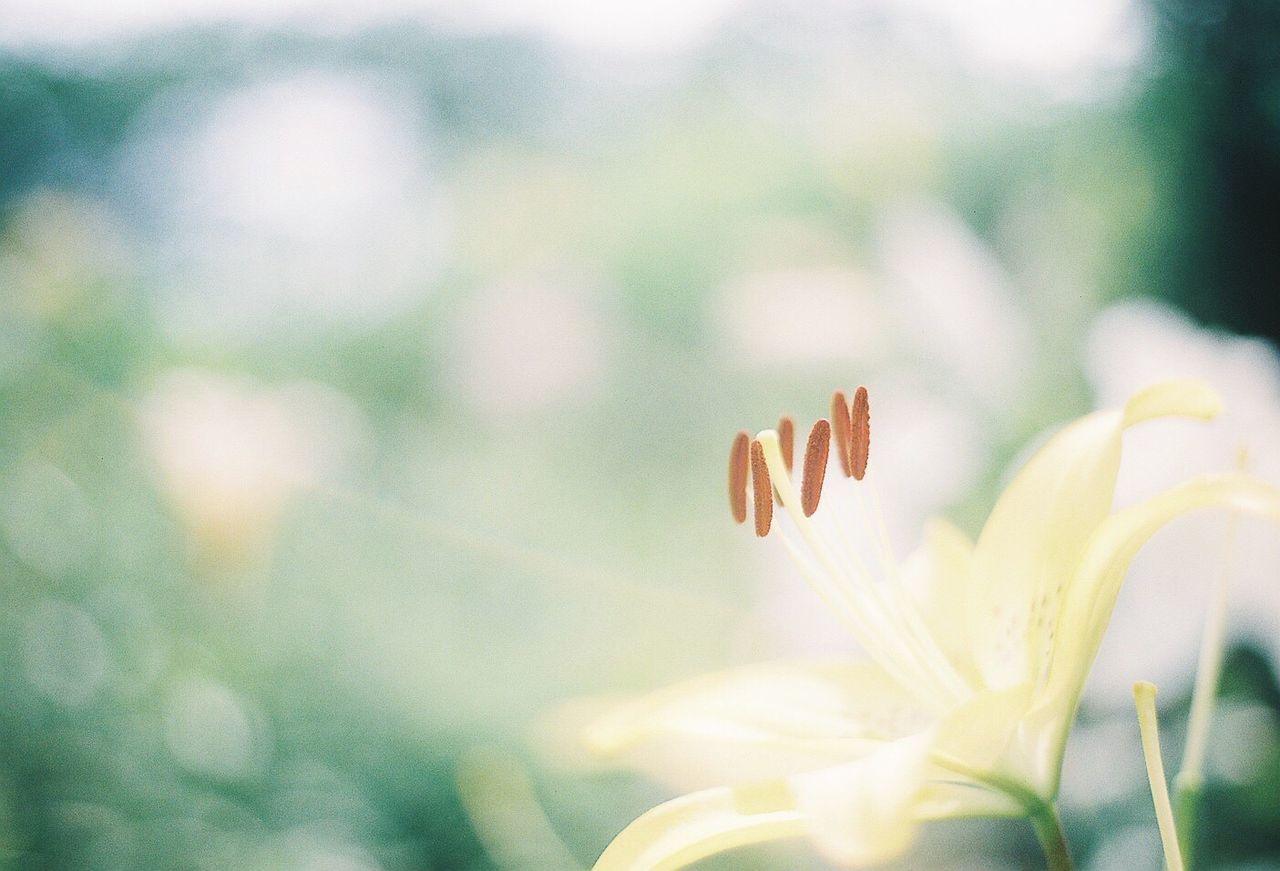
761	489
840	423
815	466
738	476
861	434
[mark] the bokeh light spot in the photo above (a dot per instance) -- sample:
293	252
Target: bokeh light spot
64	653
45	518
210	731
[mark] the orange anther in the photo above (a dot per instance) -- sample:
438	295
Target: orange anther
761	489
738	477
861	433
815	466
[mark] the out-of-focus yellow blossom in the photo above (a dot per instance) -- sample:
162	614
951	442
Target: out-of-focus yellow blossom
976	655
230	453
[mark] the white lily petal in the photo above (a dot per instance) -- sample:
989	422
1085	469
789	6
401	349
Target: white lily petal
858	813
1097	583
1038	530
949	797
1092	596
682	831
865	812
939	576
977	733
1188	397
761	721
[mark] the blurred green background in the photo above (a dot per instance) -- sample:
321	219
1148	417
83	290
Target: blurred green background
366	380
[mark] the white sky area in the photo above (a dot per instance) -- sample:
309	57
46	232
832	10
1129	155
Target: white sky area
656	24
1045	36
305	156
308	197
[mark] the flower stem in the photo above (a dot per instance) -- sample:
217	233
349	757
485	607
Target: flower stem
1186	812
1043	814
1049	830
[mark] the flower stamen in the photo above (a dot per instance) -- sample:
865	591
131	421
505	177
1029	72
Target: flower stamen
881	612
823	572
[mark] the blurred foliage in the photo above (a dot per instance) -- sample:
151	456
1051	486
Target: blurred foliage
1212	118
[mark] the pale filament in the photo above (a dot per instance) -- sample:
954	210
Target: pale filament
848	586
872	601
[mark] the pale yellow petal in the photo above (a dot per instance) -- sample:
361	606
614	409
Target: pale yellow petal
947	796
1188	397
692	827
757	722
939	577
1040	525
865	812
1093	591
978	734
858	814
1097	583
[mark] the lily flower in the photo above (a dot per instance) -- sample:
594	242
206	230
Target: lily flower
976	653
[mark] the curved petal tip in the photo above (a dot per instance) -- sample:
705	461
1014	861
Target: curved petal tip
1186	397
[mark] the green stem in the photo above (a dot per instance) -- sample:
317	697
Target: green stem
1186	812
1049	830
1043	814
